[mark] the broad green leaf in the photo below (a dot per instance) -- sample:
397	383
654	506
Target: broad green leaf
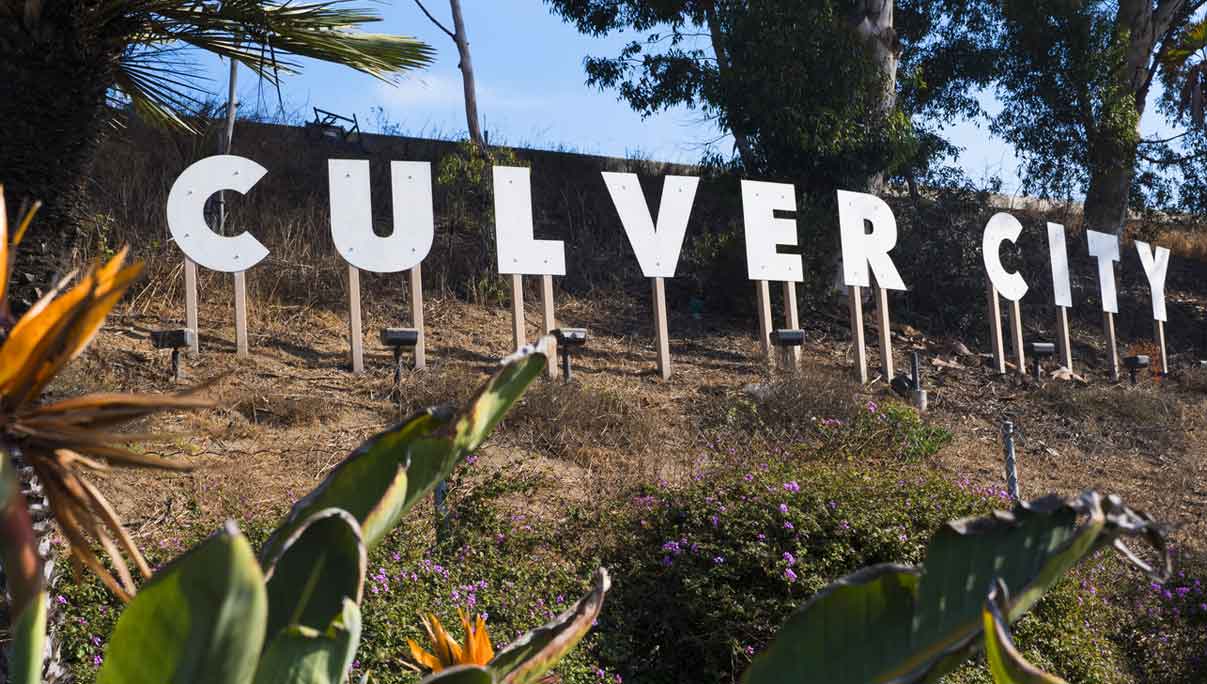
370	484
885	625
321	564
28	640
433	458
1006	664
199	620
380	481
460	674
535	653
302	655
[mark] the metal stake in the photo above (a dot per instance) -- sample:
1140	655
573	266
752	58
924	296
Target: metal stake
915	371
1011	464
176	365
441	511
398	376
565	364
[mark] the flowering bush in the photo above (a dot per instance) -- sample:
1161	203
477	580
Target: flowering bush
710	572
1167	631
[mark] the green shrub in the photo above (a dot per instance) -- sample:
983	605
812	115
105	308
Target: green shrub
708	573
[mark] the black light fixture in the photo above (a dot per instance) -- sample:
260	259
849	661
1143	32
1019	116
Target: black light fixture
1039	350
175	339
787	340
568	339
1134	364
396	339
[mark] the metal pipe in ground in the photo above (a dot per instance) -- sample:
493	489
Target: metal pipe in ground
1011	460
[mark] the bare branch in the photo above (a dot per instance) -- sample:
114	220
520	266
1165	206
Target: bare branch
435	20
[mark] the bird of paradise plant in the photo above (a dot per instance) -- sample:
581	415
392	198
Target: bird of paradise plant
446	652
64	440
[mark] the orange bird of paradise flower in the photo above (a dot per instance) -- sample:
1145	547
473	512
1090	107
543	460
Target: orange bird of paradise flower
446	651
64	439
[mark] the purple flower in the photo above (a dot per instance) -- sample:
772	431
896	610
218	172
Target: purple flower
61	600
788	525
789	558
97	660
714	520
833	505
789	575
784	509
761	537
748	477
718	560
792	486
872	407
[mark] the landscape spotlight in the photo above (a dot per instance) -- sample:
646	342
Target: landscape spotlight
786	340
568	338
1134	364
175	340
396	339
1038	350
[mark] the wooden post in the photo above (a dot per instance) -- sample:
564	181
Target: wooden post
518	334
415	275
354	331
1016	336
886	334
1062	332
660	329
1159	336
995	331
190	304
855	302
764	304
548	322
791	320
1112	351
241	315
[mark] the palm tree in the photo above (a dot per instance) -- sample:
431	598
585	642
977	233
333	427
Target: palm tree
66	64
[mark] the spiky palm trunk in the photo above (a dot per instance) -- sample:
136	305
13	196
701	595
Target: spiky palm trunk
53	84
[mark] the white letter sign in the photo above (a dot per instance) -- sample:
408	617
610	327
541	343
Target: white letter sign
1058	253
352	215
186	213
1155	269
519	252
764	232
1002	227
861	249
657	249
1105	248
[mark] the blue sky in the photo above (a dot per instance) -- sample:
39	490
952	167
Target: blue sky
532	91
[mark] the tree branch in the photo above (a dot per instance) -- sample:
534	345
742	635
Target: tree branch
435	20
1165	140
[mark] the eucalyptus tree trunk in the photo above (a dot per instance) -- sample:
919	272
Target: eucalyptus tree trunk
467	76
873	23
724	72
53	83
1113	137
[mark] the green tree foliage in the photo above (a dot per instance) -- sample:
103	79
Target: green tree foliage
66	64
1076	77
798	84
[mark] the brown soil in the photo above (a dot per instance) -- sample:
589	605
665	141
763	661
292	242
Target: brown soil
294	410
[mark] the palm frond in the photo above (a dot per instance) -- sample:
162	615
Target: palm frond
266	37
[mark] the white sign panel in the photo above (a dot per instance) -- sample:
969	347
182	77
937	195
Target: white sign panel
764	232
861	249
1002	227
1062	291
657	249
1105	248
519	252
186	213
352	215
1155	267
